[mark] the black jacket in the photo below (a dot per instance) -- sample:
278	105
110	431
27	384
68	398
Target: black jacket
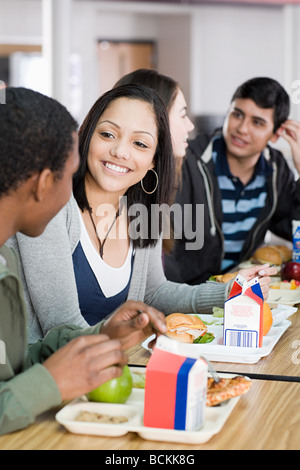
200	186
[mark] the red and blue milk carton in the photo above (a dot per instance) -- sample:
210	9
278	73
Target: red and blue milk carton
175	390
243	315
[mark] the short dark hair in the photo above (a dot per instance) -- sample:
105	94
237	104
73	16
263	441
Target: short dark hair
36	133
266	93
166	87
163	158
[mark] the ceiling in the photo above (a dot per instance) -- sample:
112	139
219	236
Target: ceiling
195	2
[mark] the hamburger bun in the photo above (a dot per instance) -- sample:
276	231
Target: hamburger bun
176	320
286	253
184	328
272	254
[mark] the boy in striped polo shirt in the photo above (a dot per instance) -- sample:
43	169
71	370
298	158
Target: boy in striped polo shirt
241	203
245	185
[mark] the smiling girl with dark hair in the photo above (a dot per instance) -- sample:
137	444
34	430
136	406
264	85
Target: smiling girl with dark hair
162	173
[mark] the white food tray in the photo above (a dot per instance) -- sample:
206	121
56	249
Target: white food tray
217	352
278	296
214	420
284	296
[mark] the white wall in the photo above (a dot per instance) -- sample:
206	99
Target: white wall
20	21
234	44
90	24
209	49
105	21
174	48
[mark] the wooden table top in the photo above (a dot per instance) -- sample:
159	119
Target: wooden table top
268	418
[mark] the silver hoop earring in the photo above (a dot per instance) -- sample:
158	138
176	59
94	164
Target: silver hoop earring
142	184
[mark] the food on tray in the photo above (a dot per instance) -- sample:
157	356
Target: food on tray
185	328
116	390
290	271
206	338
286	285
138	379
224	278
224	390
218	312
218	392
268	319
89	417
272	254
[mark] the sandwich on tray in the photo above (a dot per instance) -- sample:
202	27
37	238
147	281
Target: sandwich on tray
185	328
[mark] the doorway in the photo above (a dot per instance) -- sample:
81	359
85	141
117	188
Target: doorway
22	65
117	58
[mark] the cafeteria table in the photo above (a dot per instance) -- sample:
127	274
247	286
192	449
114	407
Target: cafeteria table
282	364
266	418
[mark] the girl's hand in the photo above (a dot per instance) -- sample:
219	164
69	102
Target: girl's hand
263	272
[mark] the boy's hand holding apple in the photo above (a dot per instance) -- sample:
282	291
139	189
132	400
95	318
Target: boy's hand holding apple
86	363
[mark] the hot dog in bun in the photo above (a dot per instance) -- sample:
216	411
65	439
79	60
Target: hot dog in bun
184	328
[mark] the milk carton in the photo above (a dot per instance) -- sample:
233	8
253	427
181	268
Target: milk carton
175	389
296	241
243	315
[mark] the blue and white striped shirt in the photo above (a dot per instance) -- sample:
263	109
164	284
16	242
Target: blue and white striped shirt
241	204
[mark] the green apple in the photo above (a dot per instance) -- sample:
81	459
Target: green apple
114	391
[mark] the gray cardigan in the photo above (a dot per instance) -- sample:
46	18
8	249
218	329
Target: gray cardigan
50	286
